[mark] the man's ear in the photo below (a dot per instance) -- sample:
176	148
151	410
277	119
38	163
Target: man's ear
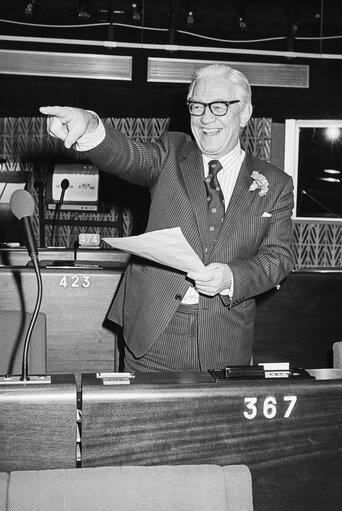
245	114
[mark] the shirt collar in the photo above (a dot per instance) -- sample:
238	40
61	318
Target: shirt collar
227	160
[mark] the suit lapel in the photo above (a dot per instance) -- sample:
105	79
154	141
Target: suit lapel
239	202
193	174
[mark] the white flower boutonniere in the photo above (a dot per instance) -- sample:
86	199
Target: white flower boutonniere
259	181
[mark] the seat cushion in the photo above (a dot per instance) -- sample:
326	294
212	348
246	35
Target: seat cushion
126	488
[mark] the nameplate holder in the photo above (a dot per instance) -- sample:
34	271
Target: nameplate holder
115	378
258	372
16	380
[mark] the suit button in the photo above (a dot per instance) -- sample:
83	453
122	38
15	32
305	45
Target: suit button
178	297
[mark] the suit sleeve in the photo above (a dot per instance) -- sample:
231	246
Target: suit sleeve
139	163
273	258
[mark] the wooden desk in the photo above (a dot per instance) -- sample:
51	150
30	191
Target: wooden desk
20	257
75	302
297	323
38	425
289	432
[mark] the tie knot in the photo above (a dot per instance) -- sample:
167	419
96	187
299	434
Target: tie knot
214	167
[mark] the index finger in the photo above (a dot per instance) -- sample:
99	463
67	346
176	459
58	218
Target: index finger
61	112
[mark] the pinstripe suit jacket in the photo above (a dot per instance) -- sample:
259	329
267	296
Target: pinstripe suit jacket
256	247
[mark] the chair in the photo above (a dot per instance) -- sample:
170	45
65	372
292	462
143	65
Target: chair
13	328
337	354
129	488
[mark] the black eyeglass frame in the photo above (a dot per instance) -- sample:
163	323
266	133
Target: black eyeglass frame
205	105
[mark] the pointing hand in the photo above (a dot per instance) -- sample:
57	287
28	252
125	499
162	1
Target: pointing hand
68	123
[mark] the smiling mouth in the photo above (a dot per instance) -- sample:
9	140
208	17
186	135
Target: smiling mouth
210	132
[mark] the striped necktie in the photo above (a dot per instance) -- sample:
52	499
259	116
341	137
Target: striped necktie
215	200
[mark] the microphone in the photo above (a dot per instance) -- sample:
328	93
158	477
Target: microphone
64	186
22	206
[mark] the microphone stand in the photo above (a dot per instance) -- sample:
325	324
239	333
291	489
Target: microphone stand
56	217
64	186
24	372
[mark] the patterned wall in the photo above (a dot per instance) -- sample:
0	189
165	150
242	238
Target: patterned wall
318	244
25	145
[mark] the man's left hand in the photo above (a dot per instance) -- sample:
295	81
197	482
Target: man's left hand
216	277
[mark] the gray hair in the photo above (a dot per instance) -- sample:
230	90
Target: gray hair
230	74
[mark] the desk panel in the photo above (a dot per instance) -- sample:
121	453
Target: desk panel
289	433
300	322
38	425
75	302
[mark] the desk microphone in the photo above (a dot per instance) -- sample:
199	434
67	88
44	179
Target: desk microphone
64	186
22	206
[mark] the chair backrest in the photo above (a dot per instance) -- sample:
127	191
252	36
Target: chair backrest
128	488
337	354
13	329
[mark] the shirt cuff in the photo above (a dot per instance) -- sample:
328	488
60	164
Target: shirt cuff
229	291
90	140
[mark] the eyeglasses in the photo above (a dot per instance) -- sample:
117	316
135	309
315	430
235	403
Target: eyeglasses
218	108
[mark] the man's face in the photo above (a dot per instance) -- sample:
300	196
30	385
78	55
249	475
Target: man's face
216	136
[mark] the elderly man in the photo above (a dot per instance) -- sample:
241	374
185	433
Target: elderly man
234	210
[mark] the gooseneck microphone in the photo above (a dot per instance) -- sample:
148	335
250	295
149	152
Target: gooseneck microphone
22	206
64	186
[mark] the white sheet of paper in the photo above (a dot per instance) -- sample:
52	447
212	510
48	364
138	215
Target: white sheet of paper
166	246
